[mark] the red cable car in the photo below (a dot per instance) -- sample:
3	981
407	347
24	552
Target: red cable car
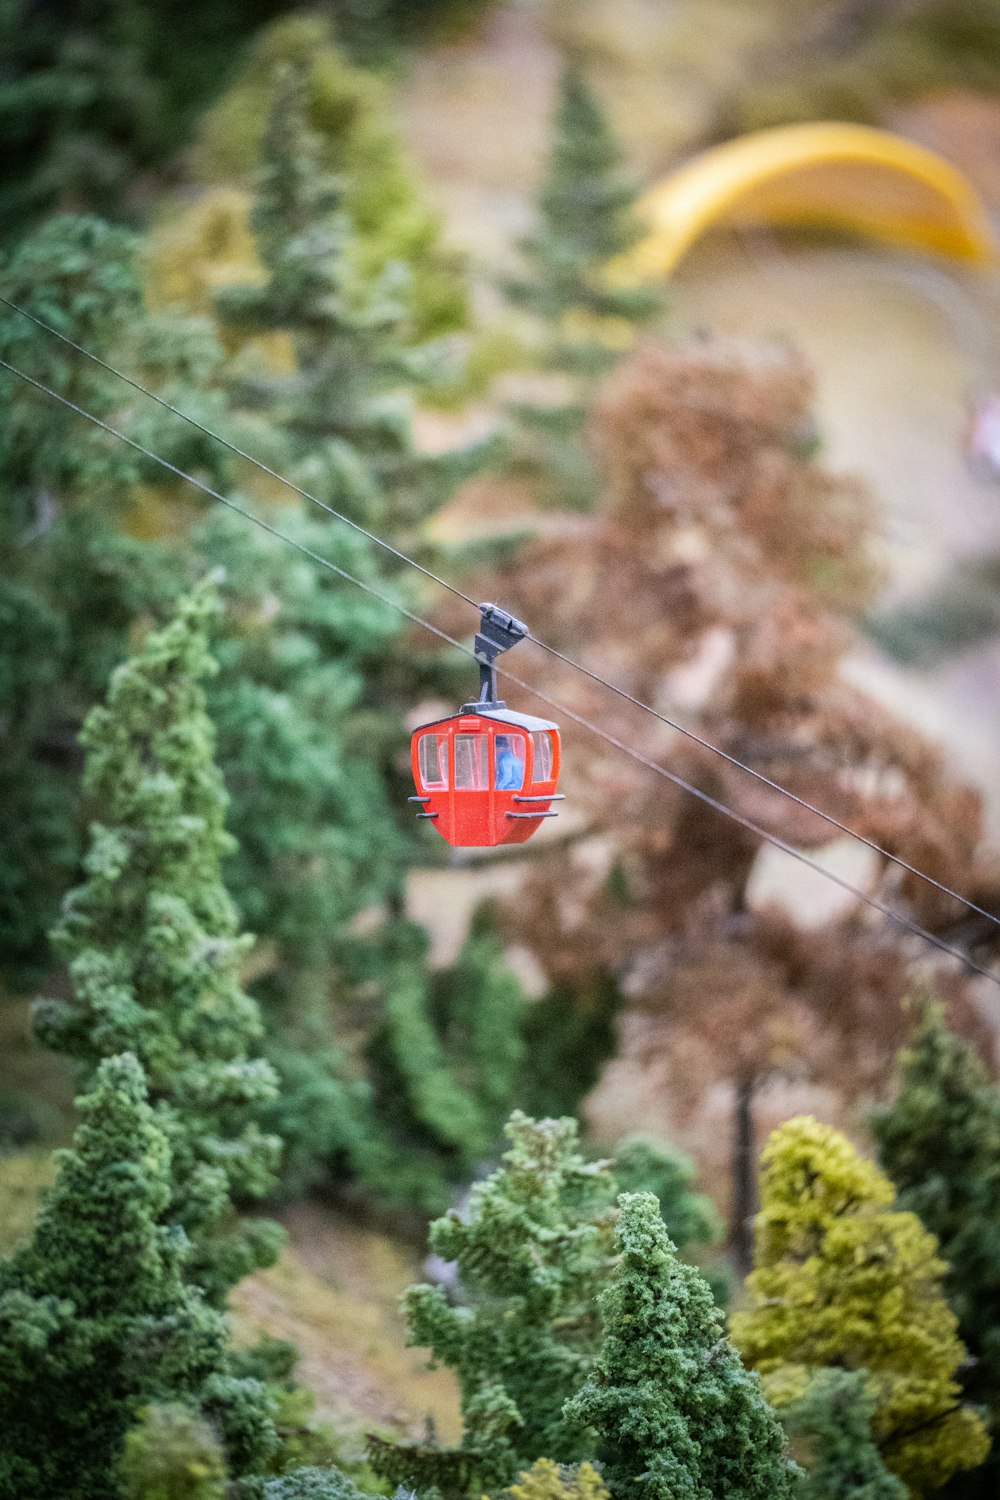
487	775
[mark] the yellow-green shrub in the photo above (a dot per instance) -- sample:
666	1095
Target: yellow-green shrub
843	1279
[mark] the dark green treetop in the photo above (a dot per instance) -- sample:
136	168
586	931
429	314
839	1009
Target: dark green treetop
830	1434
939	1141
77	572
444	1062
677	1416
153	945
96	98
96	1316
531	1251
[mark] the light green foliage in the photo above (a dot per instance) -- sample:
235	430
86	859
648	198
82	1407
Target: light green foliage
830	1436
172	1454
153	946
23	1177
843	1278
95	1315
940	1143
531	1251
676	1415
311	1483
546	1480
348	112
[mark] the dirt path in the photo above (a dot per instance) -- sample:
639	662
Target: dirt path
335	1294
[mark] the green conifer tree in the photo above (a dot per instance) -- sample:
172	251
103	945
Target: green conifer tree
74	573
585	222
153	947
96	1317
843	1278
830	1433
677	1416
358	146
531	1252
939	1141
345	409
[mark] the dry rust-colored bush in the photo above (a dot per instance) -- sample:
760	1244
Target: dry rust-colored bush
716	581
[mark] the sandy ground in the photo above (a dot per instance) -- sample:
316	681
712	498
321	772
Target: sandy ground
335	1293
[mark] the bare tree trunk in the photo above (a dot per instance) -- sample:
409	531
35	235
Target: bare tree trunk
744	1180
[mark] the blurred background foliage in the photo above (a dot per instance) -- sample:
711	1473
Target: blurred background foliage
366	243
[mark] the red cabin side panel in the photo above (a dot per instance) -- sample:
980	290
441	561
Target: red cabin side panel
481	779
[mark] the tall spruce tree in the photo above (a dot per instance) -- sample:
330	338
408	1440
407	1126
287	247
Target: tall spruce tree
96	1316
75	573
531	1252
586	221
358	145
153	946
345	407
587	321
939	1141
677	1417
842	1278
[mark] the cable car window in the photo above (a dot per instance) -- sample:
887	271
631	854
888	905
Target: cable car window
471	762
432	757
511	754
542	742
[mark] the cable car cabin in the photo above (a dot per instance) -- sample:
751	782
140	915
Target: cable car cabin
487	775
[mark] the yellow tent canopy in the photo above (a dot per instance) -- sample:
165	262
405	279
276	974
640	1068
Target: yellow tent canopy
820	175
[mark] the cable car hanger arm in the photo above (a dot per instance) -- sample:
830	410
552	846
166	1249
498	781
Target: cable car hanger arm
498	632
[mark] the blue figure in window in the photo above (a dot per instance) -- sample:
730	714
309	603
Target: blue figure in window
510	767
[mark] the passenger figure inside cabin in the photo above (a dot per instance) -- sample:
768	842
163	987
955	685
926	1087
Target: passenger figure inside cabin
509	764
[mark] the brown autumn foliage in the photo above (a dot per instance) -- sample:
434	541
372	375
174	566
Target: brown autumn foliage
716	582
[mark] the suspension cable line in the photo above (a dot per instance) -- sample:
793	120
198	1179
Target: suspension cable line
561	708
620	692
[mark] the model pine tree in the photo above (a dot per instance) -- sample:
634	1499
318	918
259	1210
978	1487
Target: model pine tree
586	321
830	1434
677	1417
96	1316
74	572
586	221
939	1141
345	409
154	949
532	1250
843	1278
